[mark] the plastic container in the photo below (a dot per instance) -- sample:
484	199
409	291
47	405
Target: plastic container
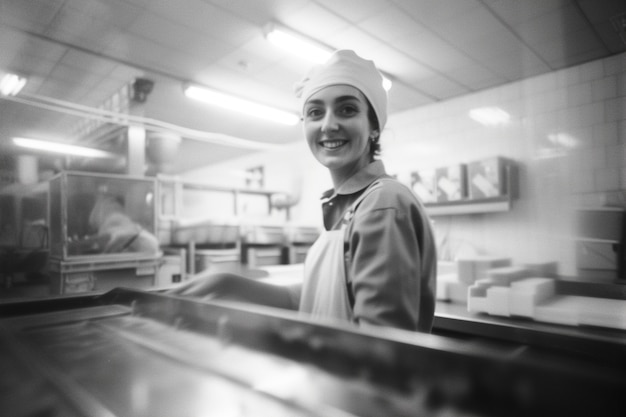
102	216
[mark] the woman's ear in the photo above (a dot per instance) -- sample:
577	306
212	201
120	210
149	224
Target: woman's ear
374	134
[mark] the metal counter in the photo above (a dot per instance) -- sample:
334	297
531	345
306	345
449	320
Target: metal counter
596	344
134	353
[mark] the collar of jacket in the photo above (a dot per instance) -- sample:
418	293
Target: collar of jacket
358	181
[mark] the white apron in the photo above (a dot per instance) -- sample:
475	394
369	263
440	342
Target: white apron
325	287
324	291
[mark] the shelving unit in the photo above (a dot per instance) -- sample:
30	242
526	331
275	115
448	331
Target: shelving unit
227	241
487	205
177	185
502	203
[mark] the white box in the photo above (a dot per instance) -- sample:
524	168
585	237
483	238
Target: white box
487	178
506	275
476	304
472	269
423	184
498	301
542	269
443	293
527	293
457	292
451	183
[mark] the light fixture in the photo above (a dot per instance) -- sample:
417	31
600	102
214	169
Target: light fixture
62	148
238	104
490	116
297	45
563	139
302	47
11	84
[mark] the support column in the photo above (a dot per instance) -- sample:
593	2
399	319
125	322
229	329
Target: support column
27	169
136	151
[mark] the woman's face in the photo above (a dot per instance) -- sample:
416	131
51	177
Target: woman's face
337	130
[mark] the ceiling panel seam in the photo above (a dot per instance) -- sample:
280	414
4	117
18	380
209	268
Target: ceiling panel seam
515	34
431	97
592	26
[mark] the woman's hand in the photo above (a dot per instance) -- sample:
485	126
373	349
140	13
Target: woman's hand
230	286
206	286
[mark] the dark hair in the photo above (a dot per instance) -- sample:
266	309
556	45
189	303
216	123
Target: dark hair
374	142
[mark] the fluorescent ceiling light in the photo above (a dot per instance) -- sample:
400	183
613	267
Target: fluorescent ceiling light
11	84
244	106
298	45
62	148
305	48
490	116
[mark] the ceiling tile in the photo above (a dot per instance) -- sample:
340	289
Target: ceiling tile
317	23
28	15
266	65
362	43
356	11
76	26
117	13
477	24
500	43
430	49
38	56
412	72
391	25
562	51
516	64
436	12
401	99
476	76
552	25
207	19
163	31
66	74
88	62
12	44
515	13
254	56
260	12
440	87
122	74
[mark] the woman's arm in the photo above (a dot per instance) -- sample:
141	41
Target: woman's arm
390	263
385	267
230	286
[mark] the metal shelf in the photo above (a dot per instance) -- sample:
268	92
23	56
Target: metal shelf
497	204
487	205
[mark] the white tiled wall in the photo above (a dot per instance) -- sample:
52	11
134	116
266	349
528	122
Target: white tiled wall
587	102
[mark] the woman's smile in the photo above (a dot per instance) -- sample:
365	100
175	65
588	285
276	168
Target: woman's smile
333	144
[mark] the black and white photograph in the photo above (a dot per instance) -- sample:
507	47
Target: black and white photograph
285	208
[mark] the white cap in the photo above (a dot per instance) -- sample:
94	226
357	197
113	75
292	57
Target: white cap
345	67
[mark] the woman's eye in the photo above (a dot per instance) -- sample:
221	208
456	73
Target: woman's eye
348	110
314	113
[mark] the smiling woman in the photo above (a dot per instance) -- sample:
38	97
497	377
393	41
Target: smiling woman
338	130
375	264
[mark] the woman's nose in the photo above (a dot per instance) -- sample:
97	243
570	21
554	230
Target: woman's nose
329	123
